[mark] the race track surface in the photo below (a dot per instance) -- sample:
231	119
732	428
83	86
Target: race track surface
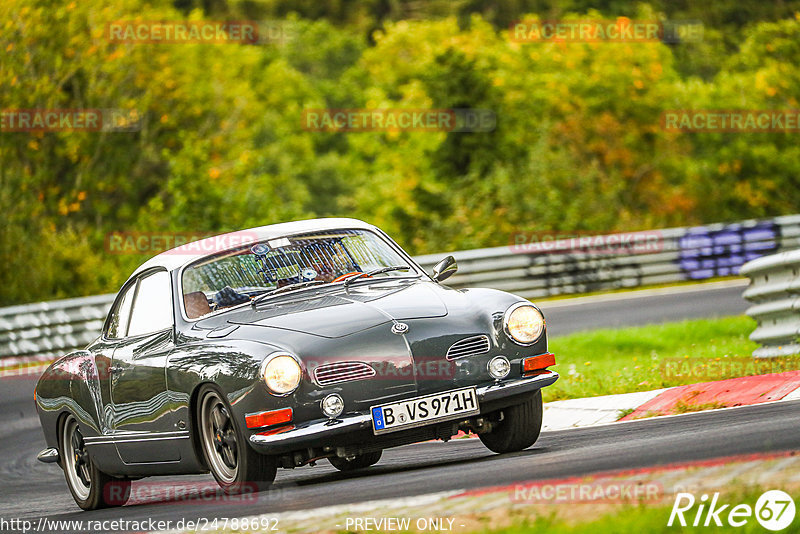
31	489
636	308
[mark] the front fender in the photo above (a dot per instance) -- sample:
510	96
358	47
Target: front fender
232	365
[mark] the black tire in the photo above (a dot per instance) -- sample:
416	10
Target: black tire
359	462
236	467
519	428
90	487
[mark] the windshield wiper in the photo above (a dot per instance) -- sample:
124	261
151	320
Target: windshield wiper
376	271
284	289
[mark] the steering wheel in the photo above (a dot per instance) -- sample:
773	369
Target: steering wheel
345	276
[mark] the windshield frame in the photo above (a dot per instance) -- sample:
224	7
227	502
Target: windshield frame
415	271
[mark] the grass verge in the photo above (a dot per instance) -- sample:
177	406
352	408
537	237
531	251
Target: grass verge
611	361
629	518
636	519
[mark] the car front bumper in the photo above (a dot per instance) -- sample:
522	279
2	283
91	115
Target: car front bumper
322	432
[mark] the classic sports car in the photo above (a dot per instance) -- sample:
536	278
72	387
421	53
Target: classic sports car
315	339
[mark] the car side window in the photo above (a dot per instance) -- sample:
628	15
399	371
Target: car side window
152	309
118	320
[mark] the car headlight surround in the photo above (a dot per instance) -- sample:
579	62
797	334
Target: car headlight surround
523	323
281	372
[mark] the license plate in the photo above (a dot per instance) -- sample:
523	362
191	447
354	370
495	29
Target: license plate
424	410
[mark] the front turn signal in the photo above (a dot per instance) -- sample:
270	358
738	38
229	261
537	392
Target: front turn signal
257	420
537	363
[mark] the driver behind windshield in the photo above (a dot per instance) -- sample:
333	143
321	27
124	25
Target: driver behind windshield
323	257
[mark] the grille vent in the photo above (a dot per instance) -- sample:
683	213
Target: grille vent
470	346
334	373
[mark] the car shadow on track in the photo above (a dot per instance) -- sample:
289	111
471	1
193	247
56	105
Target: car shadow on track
201	489
409	464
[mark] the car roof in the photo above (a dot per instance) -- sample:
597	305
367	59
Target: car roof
183	255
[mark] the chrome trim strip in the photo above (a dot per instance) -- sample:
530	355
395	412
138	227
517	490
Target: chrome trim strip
135	437
513	387
328	428
125	441
145	433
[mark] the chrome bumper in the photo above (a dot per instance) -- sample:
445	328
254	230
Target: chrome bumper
515	387
316	432
48	456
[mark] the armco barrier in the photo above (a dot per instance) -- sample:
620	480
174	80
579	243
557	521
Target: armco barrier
48	329
775	291
682	254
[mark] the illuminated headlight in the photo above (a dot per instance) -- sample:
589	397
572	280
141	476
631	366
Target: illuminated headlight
332	405
499	367
281	373
523	323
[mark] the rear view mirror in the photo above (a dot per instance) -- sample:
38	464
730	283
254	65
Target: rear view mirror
445	269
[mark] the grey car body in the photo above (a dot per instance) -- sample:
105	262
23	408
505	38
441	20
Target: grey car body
135	398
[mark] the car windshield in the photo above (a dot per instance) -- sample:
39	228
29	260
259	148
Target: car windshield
325	257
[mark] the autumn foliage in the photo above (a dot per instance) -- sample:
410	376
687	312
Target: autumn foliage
221	146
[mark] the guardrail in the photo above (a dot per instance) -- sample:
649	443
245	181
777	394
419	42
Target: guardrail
46	330
541	269
775	291
530	267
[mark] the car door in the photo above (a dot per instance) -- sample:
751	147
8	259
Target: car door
142	408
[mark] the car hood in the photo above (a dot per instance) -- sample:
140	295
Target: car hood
345	312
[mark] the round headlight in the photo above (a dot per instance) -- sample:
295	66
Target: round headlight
524	323
281	374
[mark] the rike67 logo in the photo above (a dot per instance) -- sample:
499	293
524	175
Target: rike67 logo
774	510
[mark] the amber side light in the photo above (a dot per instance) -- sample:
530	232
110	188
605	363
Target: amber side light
536	363
276	417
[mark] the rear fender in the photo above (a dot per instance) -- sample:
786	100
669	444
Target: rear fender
71	384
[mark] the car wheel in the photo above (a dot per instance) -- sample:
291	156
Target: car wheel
90	487
236	467
359	462
519	427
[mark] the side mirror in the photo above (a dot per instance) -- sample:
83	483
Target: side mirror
445	269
